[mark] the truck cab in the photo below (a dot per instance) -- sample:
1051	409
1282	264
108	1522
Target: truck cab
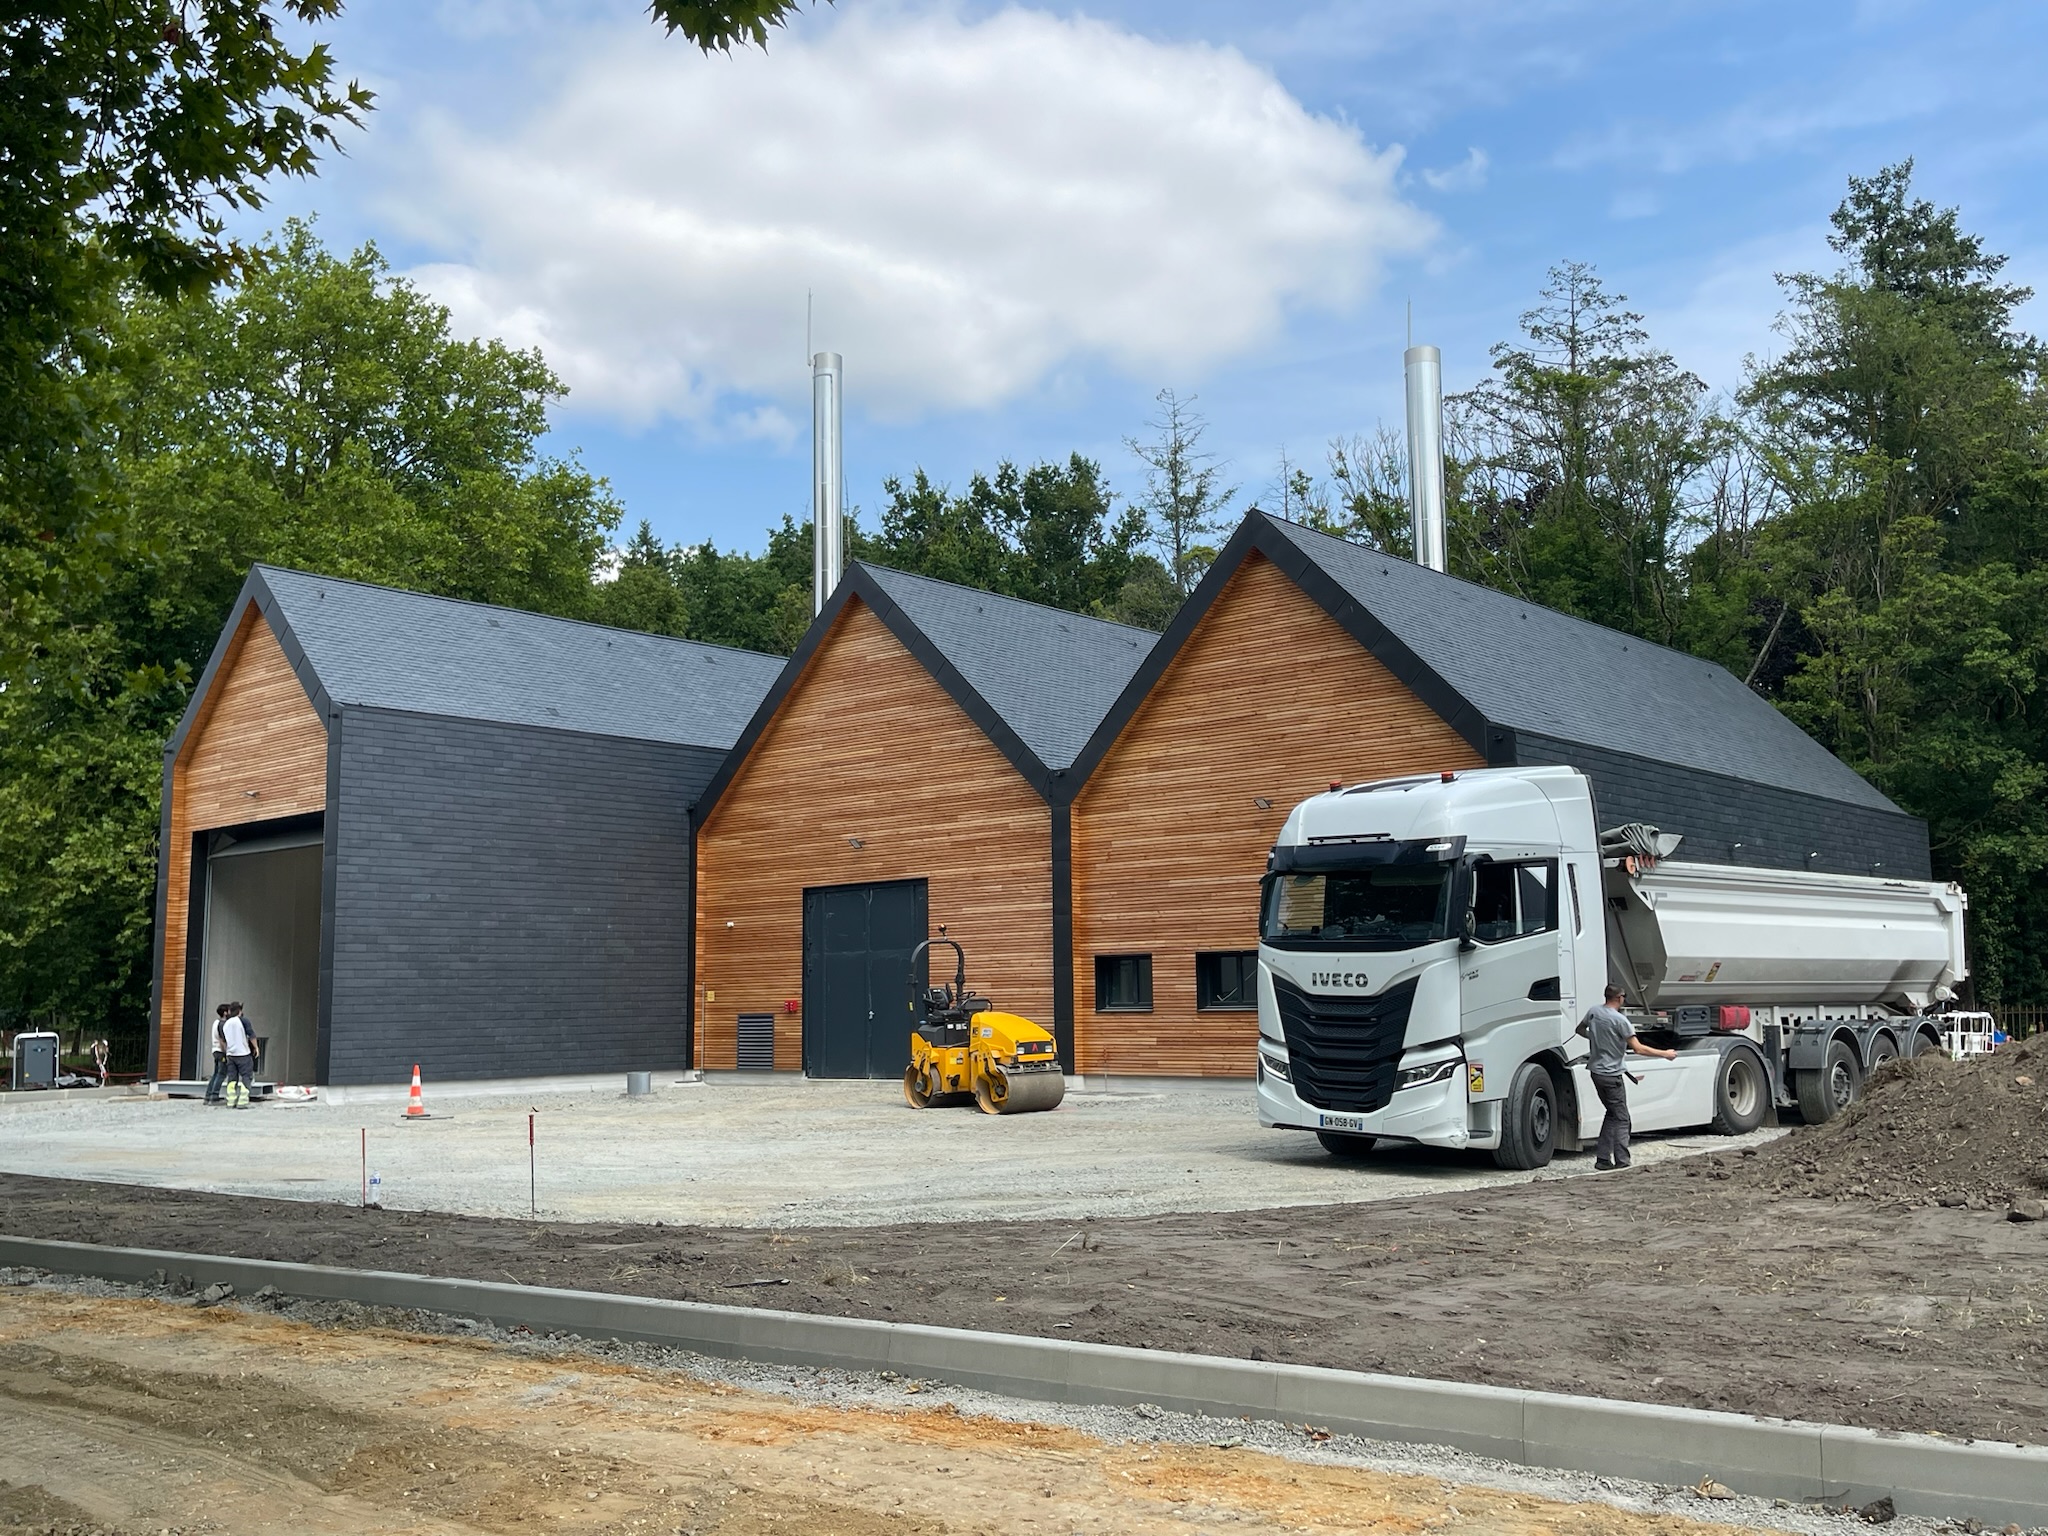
1427	945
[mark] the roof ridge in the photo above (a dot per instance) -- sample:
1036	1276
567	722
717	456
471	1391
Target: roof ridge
1480	586
1005	597
525	613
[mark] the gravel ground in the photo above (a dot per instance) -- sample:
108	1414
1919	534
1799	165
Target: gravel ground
786	1153
1142	1425
1676	1285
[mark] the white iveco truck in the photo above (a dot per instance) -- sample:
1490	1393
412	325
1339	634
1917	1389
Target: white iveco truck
1428	945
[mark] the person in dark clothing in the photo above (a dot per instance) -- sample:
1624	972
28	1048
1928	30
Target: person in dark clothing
1612	1038
220	1056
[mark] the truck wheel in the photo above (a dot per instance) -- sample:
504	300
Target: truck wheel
1882	1050
1346	1149
1528	1120
1826	1093
1741	1093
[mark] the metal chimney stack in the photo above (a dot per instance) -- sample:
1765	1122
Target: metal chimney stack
828	479
1425	370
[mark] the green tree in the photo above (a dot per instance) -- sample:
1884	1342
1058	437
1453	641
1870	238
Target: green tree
718	24
756	602
1581	462
315	414
1369	486
1049	534
1185	498
642	592
128	128
1907	433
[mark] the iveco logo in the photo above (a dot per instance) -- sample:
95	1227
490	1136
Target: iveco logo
1338	979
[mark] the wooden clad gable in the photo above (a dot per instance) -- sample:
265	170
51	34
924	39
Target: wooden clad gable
257	751
1268	699
867	746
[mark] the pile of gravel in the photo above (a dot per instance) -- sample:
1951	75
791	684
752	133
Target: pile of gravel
1929	1131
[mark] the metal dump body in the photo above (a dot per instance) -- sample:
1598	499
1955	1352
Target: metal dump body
1706	933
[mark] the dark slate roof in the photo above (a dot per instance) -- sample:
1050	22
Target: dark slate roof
1538	671
386	649
1049	674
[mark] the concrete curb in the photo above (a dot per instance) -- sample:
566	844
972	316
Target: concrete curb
1783	1458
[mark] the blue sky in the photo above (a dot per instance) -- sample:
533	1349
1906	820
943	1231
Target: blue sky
1019	224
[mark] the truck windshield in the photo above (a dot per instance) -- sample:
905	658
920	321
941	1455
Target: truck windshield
1384	906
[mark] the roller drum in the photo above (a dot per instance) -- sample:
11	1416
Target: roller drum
1021	1093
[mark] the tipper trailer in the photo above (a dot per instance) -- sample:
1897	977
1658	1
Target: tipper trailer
1429	944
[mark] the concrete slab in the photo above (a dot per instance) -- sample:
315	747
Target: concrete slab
777	1153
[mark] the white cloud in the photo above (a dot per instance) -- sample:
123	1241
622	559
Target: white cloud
975	203
1468	175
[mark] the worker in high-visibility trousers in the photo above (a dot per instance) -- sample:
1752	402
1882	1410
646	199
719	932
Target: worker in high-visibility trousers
241	1049
1612	1038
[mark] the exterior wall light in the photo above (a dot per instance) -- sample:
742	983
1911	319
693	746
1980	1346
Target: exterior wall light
854	842
1263	803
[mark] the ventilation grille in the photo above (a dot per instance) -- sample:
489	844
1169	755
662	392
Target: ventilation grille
1344	1052
757	1042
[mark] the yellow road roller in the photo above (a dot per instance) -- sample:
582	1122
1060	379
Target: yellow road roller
963	1048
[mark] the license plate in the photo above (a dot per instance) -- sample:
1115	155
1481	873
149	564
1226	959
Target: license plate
1340	1122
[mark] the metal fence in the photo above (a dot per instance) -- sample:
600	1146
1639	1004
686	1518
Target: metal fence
127	1051
2022	1020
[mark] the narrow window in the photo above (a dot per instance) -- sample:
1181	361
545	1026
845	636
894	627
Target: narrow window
1578	918
1123	983
1227	979
1536	886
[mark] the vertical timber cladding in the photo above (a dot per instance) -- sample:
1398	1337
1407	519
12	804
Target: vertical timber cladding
867	746
258	750
1268	699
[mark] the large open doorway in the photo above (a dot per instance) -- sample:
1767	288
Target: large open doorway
262	943
858	941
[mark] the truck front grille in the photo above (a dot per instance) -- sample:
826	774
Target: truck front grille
1345	1052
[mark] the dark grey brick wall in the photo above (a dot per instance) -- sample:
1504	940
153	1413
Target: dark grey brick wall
1777	828
508	901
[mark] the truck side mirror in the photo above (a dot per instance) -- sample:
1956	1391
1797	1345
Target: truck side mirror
1469	937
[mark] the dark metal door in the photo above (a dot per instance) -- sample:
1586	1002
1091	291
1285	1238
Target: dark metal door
857	945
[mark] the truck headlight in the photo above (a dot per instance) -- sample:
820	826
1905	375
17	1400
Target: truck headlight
1434	1072
1277	1065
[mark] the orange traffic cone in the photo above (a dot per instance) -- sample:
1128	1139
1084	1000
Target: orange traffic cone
415	1106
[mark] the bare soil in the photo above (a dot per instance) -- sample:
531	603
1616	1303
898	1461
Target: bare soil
129	1417
1683	1284
1929	1131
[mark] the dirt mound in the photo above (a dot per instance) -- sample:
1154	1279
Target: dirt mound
1929	1131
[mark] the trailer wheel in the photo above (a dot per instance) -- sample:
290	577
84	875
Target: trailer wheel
1346	1149
1741	1093
1882	1050
1826	1093
1528	1120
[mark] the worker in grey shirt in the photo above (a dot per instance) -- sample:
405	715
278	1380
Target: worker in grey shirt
1612	1038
